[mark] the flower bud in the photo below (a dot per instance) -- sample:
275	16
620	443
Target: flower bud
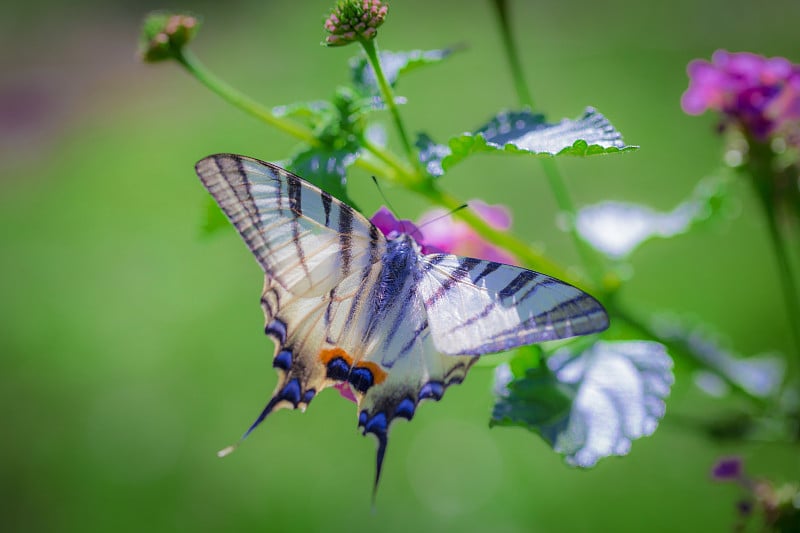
165	34
352	20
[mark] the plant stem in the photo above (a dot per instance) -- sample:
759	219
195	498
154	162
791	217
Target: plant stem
387	95
394	171
762	177
246	104
589	257
520	84
403	173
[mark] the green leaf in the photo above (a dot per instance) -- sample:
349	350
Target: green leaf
526	358
618	228
431	154
526	133
393	64
590	404
311	113
327	169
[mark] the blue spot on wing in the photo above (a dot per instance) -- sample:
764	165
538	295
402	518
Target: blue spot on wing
405	409
432	389
338	369
377	424
276	329
290	392
309	395
283	360
361	378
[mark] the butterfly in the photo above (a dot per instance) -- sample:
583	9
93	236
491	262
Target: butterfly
346	305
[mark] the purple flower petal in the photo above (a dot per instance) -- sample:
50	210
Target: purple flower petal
727	469
497	216
443	232
346	392
390	226
754	92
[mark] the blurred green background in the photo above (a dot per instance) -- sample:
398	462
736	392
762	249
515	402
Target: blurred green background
131	346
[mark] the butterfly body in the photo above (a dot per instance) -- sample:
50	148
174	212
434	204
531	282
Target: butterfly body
347	306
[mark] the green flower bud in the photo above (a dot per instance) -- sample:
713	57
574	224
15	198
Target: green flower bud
165	34
352	20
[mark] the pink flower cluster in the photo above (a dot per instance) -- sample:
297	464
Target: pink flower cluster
352	19
759	94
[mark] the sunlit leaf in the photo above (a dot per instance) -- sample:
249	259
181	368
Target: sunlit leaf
591	404
760	375
393	64
525	133
617	228
312	113
431	154
524	359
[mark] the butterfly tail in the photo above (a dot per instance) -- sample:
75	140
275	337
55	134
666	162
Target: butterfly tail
382	440
267	410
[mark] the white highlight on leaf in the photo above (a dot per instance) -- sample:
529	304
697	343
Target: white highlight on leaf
502	377
621	387
617	228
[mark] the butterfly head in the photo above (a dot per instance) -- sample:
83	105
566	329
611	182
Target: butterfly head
401	230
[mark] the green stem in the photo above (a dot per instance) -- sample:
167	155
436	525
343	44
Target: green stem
395	171
246	104
403	173
520	84
761	174
387	95
589	256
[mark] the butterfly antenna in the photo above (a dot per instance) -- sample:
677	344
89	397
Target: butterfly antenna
445	215
386	200
380	191
267	410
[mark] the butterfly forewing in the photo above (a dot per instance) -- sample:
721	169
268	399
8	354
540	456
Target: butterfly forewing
478	307
304	239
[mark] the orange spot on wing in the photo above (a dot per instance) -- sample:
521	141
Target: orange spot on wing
378	374
332	353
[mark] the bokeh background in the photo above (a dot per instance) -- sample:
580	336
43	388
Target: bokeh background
130	343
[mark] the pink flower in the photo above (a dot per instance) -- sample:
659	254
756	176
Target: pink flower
392	228
757	93
443	232
438	232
